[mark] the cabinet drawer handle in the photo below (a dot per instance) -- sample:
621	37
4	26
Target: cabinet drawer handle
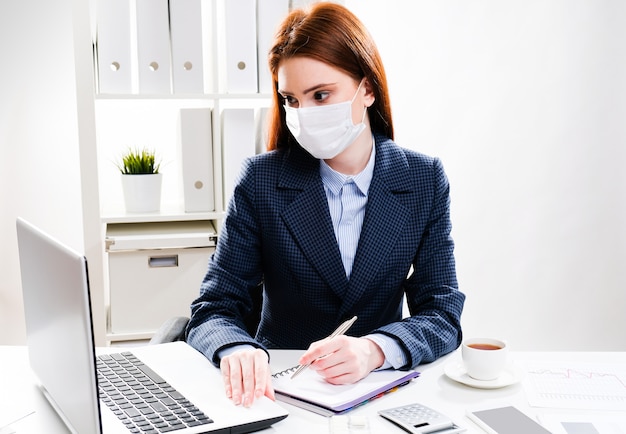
163	261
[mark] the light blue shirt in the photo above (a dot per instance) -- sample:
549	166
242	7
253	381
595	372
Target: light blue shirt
347	199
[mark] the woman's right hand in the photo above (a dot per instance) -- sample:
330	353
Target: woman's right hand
247	376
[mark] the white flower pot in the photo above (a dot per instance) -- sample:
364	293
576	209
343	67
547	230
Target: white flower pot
142	193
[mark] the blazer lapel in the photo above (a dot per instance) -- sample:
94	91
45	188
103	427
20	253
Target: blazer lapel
308	220
385	217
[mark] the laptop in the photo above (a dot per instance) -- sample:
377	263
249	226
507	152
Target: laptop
55	285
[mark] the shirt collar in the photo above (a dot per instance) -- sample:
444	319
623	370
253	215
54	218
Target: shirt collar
334	180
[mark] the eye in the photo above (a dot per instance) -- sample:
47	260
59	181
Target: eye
289	100
320	96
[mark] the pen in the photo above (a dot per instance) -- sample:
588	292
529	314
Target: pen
340	330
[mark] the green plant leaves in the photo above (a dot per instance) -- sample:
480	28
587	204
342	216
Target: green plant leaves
139	161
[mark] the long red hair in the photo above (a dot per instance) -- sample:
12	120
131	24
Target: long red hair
330	33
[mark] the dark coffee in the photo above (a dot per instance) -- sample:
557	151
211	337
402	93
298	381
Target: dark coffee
485	347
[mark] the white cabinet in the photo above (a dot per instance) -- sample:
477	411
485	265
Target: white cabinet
155	269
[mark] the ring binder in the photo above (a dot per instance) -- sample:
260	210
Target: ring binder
269	15
196	151
238	143
113	46
284	372
241	50
153	47
187	46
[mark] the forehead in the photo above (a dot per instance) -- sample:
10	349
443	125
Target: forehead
298	73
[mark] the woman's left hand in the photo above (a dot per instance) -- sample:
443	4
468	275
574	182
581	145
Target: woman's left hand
343	359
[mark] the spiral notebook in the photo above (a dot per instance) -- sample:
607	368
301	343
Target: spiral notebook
311	392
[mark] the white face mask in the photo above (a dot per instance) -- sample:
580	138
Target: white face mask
324	131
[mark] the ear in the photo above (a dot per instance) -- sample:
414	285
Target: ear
369	96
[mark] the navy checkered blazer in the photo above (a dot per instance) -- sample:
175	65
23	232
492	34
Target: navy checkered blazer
278	232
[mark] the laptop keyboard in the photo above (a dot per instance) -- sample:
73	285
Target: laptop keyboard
141	399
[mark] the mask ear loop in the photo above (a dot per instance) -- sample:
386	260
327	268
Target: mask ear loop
357	90
354	97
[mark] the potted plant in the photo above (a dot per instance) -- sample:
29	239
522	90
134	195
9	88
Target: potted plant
141	180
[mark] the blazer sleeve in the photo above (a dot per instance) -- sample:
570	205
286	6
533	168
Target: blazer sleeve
434	301
233	273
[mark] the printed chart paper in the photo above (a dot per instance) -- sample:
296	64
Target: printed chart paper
576	385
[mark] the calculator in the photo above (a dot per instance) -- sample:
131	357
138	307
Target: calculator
419	419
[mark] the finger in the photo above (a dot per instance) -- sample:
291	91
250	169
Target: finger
263	376
308	356
335	352
235	378
337	371
269	388
319	349
225	368
332	365
261	369
247	379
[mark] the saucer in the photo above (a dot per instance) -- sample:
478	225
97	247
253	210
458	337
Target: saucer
512	374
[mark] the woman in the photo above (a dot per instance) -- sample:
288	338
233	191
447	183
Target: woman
336	220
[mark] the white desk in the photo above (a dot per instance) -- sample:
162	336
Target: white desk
433	388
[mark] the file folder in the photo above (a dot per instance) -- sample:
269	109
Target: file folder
187	46
238	143
270	13
153	47
240	41
296	4
113	42
261	130
196	150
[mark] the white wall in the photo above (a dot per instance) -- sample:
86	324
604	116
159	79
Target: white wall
39	163
525	103
523	100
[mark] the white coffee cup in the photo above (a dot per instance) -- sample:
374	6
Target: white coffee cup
484	358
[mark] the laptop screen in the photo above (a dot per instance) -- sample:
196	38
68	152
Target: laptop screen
58	324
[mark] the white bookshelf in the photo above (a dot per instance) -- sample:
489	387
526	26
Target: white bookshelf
151	121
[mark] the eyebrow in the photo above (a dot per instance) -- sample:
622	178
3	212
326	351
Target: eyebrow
310	89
